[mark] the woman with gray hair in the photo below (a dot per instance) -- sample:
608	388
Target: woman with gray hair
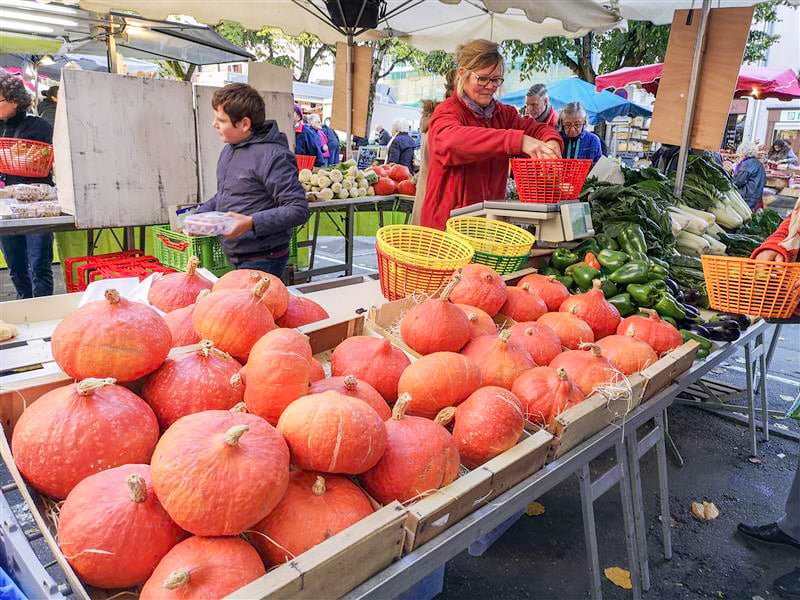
749	175
578	142
401	146
537	105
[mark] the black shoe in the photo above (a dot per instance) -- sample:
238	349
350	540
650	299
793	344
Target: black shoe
771	534
788	585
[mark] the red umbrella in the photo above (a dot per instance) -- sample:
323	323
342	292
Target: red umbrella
758	82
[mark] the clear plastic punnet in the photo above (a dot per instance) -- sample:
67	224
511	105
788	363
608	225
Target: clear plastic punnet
209	223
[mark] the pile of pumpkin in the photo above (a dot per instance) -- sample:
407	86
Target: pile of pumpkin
188	474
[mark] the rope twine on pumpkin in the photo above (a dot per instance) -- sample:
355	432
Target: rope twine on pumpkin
52	512
617	389
271	541
89	385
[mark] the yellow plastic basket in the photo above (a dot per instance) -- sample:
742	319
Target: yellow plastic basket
751	287
417	259
502	246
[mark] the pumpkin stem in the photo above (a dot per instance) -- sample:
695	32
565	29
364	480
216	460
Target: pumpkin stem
451	286
112	296
399	409
202	294
653	313
445	416
239	407
551	278
573	310
526	287
529	331
207	349
318	489
236	380
191	266
472	317
234	433
351	383
562	374
596	350
261	288
176	579
137	487
596	284
90	384
505	335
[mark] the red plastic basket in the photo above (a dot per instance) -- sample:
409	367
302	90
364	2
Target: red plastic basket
305	161
77	268
549	180
25	158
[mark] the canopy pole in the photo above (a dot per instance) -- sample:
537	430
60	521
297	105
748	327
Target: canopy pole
694	79
111	49
349	104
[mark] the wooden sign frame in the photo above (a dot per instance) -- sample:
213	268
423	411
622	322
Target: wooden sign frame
361	81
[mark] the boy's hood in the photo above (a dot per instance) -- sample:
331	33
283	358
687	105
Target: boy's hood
268	133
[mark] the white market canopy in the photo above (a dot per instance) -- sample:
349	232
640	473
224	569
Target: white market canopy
425	24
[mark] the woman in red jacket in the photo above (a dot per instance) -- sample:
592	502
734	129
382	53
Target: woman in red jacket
471	137
783	245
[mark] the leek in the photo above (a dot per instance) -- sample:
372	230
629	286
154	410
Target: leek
717	247
706	216
691	244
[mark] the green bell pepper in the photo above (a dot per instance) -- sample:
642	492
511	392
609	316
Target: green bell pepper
584	275
631	239
668	306
609	287
640	256
571	269
548	271
563	258
645	294
657	272
690	336
587	245
606	242
623	303
657	261
612	259
566	280
671	321
636	271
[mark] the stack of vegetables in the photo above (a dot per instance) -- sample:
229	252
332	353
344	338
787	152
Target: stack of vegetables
345	180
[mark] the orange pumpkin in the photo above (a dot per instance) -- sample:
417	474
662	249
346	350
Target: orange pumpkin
113	337
482	287
177	290
180	324
234	319
437	381
571	330
436	325
627	353
112	529
283	340
351	386
522	304
407	188
587	367
372	360
480	323
333	433
487	423
313	509
317	371
201	568
302	311
385	187
548	288
545	393
420	457
193	382
399	173
276	296
500	360
74	431
219	472
592	306
539	340
273	379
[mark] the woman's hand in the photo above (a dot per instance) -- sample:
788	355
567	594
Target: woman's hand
770	255
539	149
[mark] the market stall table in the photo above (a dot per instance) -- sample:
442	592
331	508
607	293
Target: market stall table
37	225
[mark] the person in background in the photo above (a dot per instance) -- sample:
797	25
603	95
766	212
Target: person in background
316	125
306	140
471	137
29	257
47	107
401	147
257	183
334	143
382	136
665	159
537	105
781	152
578	142
749	175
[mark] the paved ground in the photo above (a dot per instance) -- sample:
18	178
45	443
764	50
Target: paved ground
543	557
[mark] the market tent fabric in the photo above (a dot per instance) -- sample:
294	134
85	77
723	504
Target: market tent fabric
600	106
757	82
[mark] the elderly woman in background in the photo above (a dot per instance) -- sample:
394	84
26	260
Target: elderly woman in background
537	105
578	142
781	152
316	124
402	146
306	141
749	175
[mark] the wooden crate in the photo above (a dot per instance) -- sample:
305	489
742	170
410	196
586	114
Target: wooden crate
436	512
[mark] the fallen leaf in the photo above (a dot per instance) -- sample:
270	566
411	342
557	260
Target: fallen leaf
619	577
754	460
535	509
705	511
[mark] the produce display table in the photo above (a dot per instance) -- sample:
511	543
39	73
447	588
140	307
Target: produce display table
38	225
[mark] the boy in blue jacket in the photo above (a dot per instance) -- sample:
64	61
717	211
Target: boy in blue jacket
257	182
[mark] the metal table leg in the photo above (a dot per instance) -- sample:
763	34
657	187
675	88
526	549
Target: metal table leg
762	386
635	477
628	520
349	239
773	343
314	238
663	488
590	532
751	417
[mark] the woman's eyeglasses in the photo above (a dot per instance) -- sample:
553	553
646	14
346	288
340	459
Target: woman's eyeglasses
484	81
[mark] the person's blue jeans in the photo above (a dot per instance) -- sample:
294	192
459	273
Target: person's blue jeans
30	262
273	266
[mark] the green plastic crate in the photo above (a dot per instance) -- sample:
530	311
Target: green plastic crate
173	249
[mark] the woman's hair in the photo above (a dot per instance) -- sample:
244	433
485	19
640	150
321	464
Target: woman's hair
401	126
313	118
538	90
450	83
780	143
475	55
747	149
13	90
573	109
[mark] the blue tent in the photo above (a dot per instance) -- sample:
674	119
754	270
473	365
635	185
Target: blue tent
600	106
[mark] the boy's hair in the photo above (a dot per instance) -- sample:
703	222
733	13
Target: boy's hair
239	100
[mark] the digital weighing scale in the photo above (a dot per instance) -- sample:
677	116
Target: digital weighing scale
554	223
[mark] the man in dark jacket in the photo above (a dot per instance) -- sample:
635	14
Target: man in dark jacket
47	107
382	136
29	257
257	182
401	148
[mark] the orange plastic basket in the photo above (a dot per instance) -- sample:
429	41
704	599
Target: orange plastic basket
25	158
305	161
751	287
549	180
